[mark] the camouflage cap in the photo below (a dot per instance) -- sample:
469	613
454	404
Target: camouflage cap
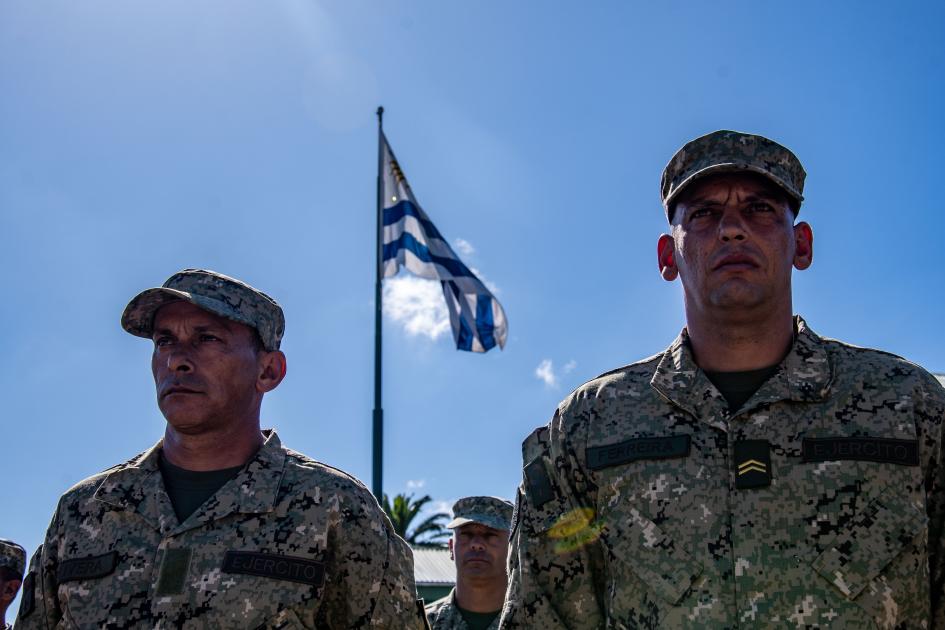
213	292
12	556
489	511
731	151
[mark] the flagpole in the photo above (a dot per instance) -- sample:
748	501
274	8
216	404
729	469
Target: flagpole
377	479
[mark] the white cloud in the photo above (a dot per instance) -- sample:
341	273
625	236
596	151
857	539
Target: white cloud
416	484
465	247
417	304
443	506
545	372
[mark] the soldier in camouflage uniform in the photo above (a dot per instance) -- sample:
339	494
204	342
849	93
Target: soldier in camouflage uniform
218	525
12	565
755	474
478	547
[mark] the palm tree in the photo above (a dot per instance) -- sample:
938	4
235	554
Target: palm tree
428	533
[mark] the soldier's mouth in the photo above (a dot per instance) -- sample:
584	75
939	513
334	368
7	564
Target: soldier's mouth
178	390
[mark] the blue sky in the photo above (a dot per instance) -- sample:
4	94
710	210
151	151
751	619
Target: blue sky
139	138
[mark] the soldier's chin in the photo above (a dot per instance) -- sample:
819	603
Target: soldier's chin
186	424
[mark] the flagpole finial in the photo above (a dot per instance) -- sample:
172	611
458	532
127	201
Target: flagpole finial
380	113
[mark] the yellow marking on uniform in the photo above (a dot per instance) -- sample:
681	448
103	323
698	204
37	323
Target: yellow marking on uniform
751	461
752	469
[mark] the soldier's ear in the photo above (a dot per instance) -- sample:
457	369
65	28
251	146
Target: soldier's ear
450	545
272	369
666	257
8	592
803	245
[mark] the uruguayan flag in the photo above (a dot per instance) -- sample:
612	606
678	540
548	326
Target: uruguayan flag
412	241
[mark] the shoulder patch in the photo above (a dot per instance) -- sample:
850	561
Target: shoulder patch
538	483
28	600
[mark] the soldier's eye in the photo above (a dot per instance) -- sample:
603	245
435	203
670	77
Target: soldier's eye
163	340
208	337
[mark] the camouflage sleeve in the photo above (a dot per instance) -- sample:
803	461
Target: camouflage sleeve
554	560
375	584
39	601
931	418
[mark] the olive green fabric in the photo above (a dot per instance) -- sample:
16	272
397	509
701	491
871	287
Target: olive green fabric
189	489
445	614
738	387
477	620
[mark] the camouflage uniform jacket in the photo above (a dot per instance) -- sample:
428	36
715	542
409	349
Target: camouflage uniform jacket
630	514
443	614
287	543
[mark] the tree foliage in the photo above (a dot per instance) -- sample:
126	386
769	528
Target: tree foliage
430	532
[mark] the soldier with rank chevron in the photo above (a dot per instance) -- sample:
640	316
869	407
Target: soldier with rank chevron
755	473
218	525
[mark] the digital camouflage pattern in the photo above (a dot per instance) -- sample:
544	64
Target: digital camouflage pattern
287	543
727	151
213	292
12	556
612	531
443	614
489	511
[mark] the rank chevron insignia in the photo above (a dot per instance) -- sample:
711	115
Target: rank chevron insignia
753	458
752	465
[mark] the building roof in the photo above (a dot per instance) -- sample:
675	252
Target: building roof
432	566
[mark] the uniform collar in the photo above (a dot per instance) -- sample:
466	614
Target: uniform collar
804	375
137	485
448	616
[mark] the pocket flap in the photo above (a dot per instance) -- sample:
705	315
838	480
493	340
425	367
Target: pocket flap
661	564
878	534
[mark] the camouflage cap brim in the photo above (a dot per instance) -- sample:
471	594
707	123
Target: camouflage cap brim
215	293
733	167
12	556
727	151
138	317
488	520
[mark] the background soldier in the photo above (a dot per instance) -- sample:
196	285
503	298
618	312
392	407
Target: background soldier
479	547
12	565
218	525
754	473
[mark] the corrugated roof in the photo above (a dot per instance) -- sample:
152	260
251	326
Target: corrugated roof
432	566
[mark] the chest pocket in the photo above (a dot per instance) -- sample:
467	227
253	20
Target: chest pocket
882	532
640	552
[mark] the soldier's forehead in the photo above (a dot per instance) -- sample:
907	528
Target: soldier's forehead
714	183
193	314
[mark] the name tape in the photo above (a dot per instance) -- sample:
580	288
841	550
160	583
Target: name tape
275	566
667	447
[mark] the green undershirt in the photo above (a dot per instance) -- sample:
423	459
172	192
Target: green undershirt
738	387
477	620
189	489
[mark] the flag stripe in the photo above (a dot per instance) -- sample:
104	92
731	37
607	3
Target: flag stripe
406	241
411	240
405	208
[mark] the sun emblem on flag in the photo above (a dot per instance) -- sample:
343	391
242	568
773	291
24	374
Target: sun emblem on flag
398	176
